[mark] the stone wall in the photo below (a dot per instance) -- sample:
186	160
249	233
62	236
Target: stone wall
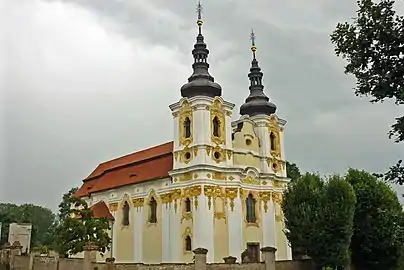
34	262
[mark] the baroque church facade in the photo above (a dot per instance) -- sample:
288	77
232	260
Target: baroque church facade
218	185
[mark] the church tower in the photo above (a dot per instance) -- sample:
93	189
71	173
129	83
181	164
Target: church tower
202	152
227	177
259	122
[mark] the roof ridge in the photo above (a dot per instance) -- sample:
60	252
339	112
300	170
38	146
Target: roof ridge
126	165
143	150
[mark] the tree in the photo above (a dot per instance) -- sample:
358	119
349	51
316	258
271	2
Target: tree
378	239
319	218
65	204
292	171
373	45
337	222
40	217
79	227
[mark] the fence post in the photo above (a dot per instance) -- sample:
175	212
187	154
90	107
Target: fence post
15	251
90	253
269	257
200	258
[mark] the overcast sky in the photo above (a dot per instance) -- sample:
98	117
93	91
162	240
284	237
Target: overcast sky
89	80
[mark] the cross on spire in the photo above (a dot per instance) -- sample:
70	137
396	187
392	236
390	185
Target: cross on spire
199	22
253	47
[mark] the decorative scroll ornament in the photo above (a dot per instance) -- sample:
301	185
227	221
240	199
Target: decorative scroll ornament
113	207
265	196
249	180
194	192
138	202
213	192
231	194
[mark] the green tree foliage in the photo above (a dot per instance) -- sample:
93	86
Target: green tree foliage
41	218
65	204
319	218
373	45
378	239
78	226
292	171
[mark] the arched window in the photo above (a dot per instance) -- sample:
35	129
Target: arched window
187	127
250	206
153	211
216	127
272	138
187	205
125	220
188	243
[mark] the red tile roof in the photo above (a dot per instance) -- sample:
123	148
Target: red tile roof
148	164
100	210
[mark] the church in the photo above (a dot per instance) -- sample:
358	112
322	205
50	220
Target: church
217	185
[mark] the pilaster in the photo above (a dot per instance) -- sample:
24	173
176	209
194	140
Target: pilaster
268	223
175	232
204	227
235	224
114	233
262	131
165	220
138	222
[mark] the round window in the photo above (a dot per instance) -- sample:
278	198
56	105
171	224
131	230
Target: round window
216	155
187	155
248	142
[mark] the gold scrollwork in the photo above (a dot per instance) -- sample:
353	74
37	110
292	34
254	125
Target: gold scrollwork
265	196
185	177
249	180
279	217
277	197
218	176
175	196
231	194
194	192
213	192
231	178
220	215
176	155
185	112
186	216
217	114
113	207
165	198
138	202
243	194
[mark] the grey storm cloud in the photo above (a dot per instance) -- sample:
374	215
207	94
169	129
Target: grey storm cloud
89	80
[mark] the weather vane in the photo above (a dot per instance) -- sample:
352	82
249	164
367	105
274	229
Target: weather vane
253	47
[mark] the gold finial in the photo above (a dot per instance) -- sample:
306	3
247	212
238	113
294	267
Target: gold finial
199	8
253	47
